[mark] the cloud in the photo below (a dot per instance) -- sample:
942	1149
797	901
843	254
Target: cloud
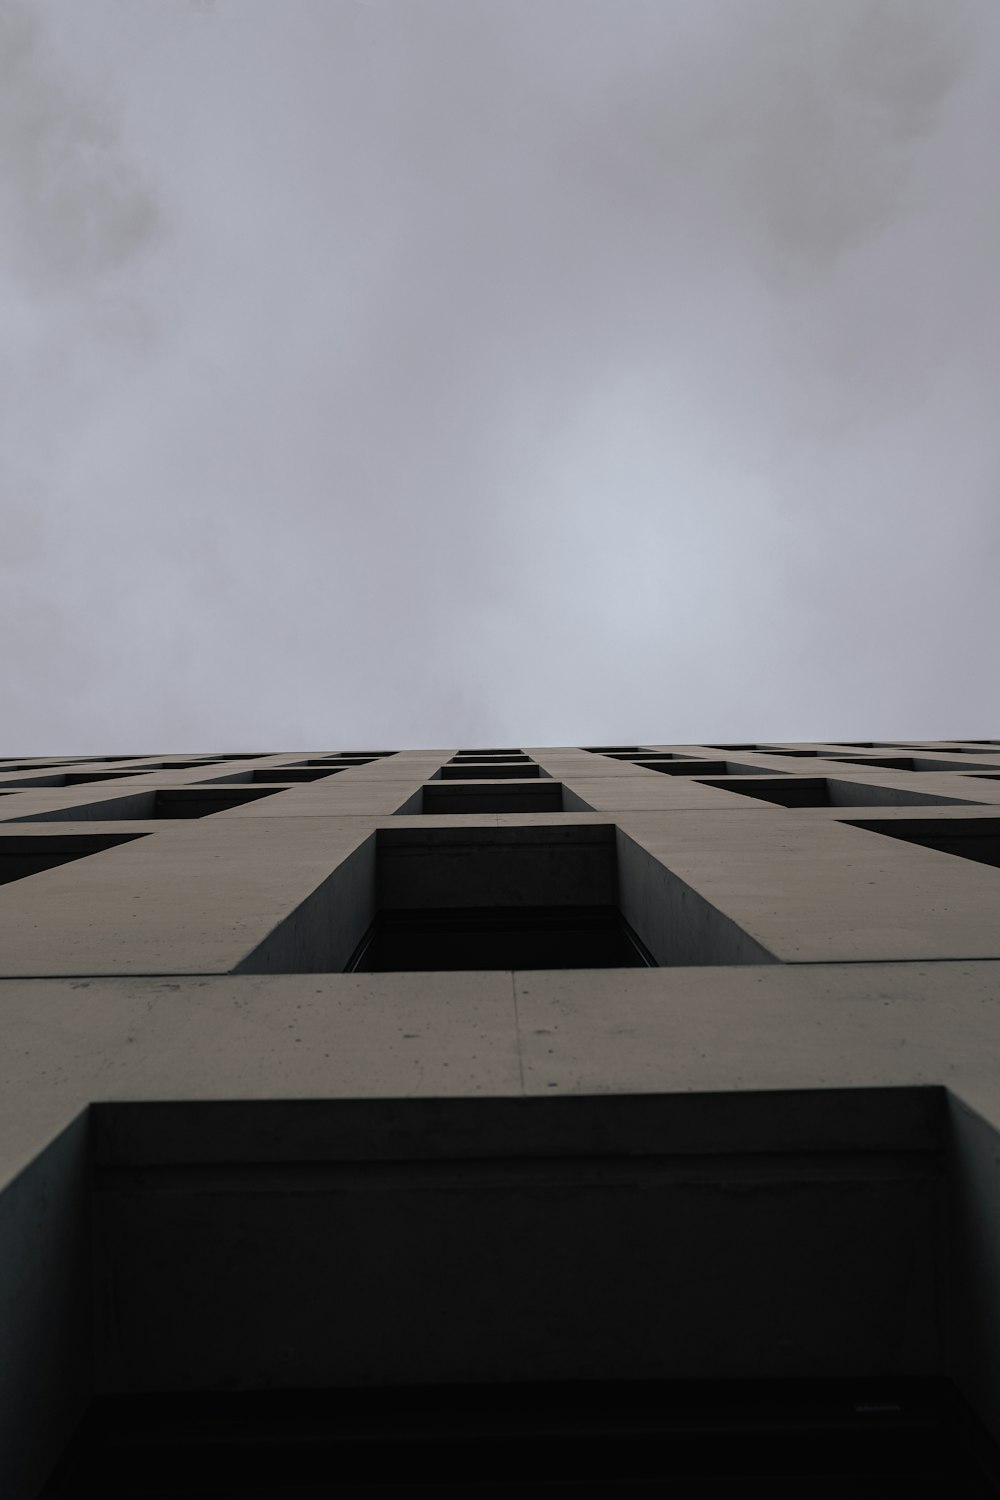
73	207
424	370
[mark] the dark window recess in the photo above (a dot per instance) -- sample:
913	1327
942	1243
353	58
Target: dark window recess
537	897
73	778
912	763
970	838
500	937
83	778
53	765
685	767
890	1439
828	791
339	762
20	857
480	755
183	765
880	762
614	750
491	760
97	760
540	796
294	773
166	802
487	770
199	802
644	755
789	791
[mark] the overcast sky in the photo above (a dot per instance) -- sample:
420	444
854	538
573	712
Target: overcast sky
453	372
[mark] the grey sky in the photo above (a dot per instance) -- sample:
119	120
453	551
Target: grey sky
430	372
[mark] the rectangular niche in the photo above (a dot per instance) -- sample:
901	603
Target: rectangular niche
475	755
564	896
355	757
294	773
491	760
970	838
827	791
561	937
165	802
497	899
684	767
542	796
646	755
31	854
71	778
488	770
340	762
320	1254
823	754
187	765
910	763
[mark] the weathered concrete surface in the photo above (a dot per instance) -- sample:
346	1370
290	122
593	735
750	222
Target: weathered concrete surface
172	903
811	891
852	962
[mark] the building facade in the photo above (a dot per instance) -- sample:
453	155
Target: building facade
607	1080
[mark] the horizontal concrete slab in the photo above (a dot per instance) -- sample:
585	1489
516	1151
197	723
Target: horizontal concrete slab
812	892
174	904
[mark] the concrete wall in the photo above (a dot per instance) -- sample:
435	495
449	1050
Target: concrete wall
776	1153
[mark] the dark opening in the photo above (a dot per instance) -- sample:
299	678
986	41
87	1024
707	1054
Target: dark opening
73	778
20	857
828	791
294	773
685	767
341	762
185	765
539	796
913	763
542	896
199	802
487	770
163	802
502	937
881	762
644	755
788	791
42	765
362	754
491	760
828	1438
973	838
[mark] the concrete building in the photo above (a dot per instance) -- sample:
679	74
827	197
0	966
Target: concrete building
596	1114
